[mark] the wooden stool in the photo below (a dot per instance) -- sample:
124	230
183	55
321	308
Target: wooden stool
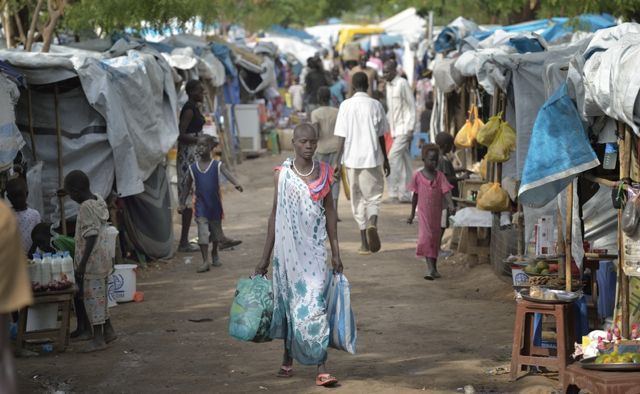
525	353
600	382
60	335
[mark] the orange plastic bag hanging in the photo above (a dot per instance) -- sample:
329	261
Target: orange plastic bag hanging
466	136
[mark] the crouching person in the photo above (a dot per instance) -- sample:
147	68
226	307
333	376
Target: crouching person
92	259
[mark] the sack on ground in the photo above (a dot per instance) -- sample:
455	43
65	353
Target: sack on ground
466	136
491	197
342	321
252	310
488	132
502	146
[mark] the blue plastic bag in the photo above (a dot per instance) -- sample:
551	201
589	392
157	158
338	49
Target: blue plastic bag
252	310
342	322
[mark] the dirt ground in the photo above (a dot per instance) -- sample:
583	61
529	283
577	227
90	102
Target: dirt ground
413	335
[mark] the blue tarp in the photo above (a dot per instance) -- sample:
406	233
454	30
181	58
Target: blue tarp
554	28
550	29
223	53
287	31
559	150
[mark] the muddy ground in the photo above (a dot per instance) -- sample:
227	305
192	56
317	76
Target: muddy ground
413	335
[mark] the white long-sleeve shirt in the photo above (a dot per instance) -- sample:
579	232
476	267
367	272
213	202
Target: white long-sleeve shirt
401	107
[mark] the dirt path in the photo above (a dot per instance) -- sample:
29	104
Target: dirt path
413	335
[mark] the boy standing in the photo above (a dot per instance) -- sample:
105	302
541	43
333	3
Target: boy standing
92	258
27	217
205	173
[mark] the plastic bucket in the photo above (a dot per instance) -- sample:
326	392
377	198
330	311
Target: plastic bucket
122	283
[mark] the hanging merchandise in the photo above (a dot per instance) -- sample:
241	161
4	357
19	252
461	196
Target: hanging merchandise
631	213
491	197
503	144
483	168
466	136
488	132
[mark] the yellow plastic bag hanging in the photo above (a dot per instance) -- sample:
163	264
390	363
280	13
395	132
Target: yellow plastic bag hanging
483	168
491	197
488	132
502	146
466	136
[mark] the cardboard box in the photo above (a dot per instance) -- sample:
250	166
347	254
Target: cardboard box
520	278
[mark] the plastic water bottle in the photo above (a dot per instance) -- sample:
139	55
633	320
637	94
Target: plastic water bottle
67	267
610	156
46	269
35	268
56	267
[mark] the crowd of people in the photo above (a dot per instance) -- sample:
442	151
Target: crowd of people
361	115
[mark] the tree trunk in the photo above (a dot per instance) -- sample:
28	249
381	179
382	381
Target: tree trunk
56	10
33	26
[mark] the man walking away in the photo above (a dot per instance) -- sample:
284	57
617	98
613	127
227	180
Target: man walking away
324	120
402	118
361	125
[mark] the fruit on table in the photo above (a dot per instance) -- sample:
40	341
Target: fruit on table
553	267
615	358
545	272
542	265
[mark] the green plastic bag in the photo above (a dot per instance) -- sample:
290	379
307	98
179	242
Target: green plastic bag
252	310
488	132
502	146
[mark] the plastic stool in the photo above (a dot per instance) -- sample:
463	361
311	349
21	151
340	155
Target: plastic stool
525	353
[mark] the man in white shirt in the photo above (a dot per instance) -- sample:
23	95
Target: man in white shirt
402	118
361	125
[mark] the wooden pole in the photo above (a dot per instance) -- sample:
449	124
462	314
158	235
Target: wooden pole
63	220
568	237
623	280
31	133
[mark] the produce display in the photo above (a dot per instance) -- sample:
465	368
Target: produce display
540	268
618	358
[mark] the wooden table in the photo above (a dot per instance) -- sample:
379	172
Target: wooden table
600	382
60	335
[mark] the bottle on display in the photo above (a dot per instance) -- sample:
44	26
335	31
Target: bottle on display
46	269
35	268
67	267
56	267
610	156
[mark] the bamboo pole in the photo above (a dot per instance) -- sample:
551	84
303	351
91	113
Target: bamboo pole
31	132
623	280
63	220
568	237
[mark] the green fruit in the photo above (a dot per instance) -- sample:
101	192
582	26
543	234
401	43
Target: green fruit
599	359
530	270
636	358
545	272
542	265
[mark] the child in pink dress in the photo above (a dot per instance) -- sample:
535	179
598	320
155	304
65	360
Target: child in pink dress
430	187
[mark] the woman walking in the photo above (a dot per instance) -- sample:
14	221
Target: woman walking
302	218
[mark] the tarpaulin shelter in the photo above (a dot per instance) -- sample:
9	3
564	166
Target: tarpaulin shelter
111	115
11	140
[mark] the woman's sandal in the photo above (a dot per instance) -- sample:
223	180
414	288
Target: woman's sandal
326	380
285	371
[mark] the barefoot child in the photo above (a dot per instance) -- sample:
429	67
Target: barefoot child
205	173
430	187
92	258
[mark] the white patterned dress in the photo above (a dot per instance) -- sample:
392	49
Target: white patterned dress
300	270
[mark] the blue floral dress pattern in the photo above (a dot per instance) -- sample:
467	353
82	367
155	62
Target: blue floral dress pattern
300	271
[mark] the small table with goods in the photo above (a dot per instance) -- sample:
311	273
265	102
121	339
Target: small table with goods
524	351
59	335
617	372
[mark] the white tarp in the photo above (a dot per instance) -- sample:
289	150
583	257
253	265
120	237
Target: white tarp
10	139
293	46
611	80
135	95
406	23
